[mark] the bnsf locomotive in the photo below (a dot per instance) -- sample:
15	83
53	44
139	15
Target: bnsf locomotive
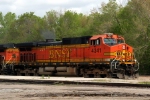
104	55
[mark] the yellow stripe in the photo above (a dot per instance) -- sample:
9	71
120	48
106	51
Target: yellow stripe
110	53
12	49
128	62
62	46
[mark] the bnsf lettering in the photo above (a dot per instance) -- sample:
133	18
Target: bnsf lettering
64	53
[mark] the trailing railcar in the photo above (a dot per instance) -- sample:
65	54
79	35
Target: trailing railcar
8	58
105	55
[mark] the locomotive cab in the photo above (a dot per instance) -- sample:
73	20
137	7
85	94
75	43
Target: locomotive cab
114	55
105	47
113	47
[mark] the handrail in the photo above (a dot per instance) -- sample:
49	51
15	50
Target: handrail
115	62
136	62
4	64
112	62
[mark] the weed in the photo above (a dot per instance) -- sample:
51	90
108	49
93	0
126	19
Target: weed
148	83
48	77
42	77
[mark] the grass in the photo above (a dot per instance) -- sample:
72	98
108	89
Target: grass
147	83
42	77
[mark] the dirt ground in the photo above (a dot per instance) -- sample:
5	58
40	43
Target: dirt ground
20	91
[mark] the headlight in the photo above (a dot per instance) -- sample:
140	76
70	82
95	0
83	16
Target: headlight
135	60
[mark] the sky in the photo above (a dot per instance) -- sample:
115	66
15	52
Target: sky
40	7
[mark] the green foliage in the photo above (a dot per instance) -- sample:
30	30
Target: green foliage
145	63
5	24
67	24
105	17
71	24
51	21
42	77
26	28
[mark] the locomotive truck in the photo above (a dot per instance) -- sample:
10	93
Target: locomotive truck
104	55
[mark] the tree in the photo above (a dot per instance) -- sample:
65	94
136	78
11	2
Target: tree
27	28
69	24
105	17
5	25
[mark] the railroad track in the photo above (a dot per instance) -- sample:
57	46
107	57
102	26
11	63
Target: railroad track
54	82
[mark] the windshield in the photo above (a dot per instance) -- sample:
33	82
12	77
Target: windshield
120	41
110	41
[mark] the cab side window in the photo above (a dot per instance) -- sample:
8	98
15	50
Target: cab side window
95	42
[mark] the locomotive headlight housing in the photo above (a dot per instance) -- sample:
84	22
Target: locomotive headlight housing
123	47
135	60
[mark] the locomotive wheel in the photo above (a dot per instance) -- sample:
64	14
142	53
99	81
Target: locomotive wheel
127	77
85	75
109	75
137	75
120	75
130	77
96	75
134	76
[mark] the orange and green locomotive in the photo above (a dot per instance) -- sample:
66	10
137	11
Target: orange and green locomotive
104	55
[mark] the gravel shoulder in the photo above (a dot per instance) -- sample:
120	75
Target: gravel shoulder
17	91
21	91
